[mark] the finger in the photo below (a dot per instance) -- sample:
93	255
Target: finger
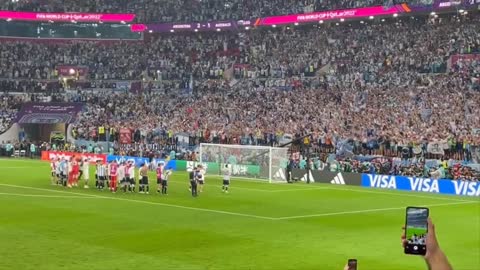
431	226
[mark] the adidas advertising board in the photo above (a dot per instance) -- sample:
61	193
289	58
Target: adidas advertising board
327	177
442	186
338	180
280	175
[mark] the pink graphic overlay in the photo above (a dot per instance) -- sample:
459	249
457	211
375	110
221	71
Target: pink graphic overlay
331	15
65	17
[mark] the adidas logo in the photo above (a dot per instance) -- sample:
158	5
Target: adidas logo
338	180
280	175
304	178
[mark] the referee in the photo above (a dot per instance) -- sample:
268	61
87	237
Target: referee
193	181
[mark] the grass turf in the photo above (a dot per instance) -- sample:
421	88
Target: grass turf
255	226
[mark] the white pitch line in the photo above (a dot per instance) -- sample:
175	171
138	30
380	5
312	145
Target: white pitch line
50	190
399	194
364	211
45	196
149	202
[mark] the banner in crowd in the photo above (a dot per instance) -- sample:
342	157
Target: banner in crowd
327	177
197	26
437	148
475	154
66	17
125	136
443	186
48	113
70	71
461	61
443	4
92	158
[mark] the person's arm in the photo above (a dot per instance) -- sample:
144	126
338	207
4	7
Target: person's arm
435	258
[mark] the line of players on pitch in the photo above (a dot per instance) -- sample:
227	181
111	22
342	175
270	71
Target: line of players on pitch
67	173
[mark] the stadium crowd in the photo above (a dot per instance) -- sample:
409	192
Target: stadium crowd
9	106
380	85
188	10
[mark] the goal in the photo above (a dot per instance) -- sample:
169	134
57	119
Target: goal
246	161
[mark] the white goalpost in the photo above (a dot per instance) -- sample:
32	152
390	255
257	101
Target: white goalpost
246	161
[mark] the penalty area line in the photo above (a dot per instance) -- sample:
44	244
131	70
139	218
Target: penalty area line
366	211
147	202
44	196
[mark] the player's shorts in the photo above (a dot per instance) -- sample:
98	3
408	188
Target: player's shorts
201	182
53	174
226	182
164	183
131	181
144	180
159	181
113	178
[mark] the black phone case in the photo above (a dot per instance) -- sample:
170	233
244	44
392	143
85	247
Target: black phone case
413	251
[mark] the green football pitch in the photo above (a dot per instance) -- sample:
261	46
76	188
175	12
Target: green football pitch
256	226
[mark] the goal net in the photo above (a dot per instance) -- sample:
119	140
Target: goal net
258	162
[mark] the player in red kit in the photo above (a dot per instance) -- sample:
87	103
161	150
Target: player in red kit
113	176
76	171
159	176
71	172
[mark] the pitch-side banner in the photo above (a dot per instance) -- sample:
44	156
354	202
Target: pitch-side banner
327	177
49	155
442	186
139	161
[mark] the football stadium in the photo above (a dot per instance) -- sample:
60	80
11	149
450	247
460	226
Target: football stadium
268	134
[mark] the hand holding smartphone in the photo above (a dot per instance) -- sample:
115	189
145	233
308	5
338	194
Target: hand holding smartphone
416	229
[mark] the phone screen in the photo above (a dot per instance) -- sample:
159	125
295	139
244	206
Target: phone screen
352	264
416	229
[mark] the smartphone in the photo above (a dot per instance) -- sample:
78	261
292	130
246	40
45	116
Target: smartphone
352	264
416	229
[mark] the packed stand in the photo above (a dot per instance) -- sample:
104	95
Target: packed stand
174	58
381	86
9	106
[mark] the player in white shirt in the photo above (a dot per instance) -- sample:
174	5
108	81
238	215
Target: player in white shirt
201	178
53	169
65	169
121	175
58	172
226	178
166	177
86	171
102	175
131	175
